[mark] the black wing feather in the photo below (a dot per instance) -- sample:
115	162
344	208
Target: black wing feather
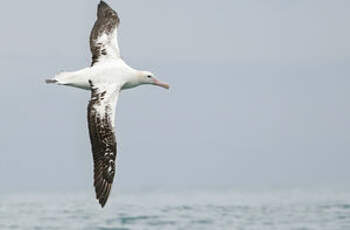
104	146
107	23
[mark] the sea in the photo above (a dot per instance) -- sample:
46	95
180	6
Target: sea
280	209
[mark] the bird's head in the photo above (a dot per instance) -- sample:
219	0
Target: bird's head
146	77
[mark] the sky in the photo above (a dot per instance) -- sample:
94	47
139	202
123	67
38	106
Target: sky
259	94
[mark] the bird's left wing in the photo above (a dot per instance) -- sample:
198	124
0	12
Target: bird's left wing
103	37
101	115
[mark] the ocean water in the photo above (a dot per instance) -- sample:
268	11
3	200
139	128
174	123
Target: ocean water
200	209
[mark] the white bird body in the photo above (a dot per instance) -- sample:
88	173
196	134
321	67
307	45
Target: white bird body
109	72
106	77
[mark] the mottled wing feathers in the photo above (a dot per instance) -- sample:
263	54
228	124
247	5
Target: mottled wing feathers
101	112
103	37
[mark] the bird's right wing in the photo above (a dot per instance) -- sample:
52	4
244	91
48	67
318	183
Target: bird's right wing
103	37
101	113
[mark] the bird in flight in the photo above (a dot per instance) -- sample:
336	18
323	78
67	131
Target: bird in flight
106	77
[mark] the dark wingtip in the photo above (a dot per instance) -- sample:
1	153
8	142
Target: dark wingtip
103	200
104	194
102	203
101	8
103	4
104	10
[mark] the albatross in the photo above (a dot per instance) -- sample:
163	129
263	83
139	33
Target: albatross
107	76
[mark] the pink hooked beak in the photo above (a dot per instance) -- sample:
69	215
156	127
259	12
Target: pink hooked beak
161	84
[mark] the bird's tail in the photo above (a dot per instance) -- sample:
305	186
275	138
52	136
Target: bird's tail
51	81
59	78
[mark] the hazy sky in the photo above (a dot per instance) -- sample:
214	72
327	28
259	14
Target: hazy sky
260	94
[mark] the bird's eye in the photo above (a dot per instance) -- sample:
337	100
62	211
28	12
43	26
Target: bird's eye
149	76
